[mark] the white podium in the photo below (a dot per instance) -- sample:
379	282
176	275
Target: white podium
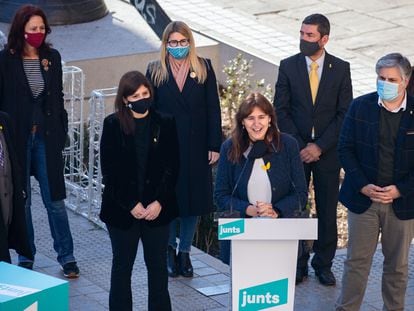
263	259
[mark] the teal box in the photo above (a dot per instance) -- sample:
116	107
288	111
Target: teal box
26	290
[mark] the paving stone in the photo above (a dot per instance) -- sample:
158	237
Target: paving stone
218	279
198	264
205	271
197	282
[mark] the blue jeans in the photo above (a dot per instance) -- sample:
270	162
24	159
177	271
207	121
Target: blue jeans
187	230
124	250
56	211
225	251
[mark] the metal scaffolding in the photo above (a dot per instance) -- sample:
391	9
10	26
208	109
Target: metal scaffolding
97	111
81	155
73	154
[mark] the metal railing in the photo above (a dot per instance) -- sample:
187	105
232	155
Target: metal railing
81	155
73	154
97	111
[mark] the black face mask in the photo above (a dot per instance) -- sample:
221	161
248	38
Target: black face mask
140	106
309	48
259	149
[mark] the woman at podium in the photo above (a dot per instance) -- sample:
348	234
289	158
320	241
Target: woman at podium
260	173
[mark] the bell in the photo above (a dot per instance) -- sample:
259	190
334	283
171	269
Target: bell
58	12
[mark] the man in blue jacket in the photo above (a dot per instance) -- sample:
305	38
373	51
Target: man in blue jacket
376	150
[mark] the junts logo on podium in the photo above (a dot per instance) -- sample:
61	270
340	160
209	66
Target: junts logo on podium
264	296
231	228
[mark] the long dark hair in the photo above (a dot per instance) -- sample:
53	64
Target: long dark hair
239	136
128	84
16	40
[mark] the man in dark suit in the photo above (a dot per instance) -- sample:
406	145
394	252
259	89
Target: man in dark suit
313	92
376	149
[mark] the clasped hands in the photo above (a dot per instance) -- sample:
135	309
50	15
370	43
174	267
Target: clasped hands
150	213
261	209
384	195
310	153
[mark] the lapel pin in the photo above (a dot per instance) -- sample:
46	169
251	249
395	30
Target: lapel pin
1	127
192	74
266	166
45	64
411	112
330	65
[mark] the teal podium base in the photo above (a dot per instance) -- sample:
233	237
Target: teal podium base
26	290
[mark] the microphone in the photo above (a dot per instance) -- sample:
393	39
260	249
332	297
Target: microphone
232	213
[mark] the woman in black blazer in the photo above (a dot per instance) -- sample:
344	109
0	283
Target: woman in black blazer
139	162
31	93
185	86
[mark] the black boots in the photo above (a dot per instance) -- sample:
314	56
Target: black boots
178	264
184	265
172	262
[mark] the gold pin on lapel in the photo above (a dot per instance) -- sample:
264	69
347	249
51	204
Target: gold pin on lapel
192	74
330	65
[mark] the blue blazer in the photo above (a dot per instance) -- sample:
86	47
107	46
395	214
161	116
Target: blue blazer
287	179
358	153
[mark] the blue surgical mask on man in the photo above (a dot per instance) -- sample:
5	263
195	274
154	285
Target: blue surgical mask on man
387	91
178	52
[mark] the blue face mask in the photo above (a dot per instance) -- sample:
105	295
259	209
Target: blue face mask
178	52
387	91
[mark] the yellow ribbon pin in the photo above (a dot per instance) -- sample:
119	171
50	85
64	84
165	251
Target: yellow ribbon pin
266	166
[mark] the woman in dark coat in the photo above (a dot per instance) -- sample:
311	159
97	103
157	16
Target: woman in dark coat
185	86
139	162
13	233
31	93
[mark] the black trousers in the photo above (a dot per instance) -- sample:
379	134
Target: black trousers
124	250
326	185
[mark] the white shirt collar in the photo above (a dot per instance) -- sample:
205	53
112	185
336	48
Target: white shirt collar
319	61
402	107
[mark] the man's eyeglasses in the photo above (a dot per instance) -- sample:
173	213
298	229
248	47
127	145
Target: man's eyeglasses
175	43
